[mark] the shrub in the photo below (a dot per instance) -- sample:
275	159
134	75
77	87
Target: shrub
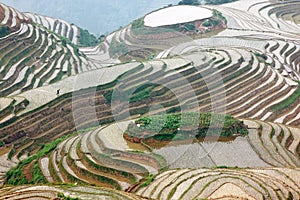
4	30
15	176
189	2
63	197
207	23
217	2
190	26
37	174
87	39
218	16
149	179
64	43
141	93
166	127
290	196
138	23
11	153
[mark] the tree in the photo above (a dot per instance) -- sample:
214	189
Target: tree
189	2
87	39
4	30
217	2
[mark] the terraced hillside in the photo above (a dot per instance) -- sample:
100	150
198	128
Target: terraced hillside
33	56
140	41
51	192
58	26
221	183
94	158
103	157
240	72
249	70
57	116
283	15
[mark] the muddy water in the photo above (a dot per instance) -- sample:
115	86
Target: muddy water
162	144
136	146
296	18
233	153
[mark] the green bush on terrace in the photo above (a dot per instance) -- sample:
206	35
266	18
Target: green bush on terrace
218	2
87	39
189	2
138	23
149	179
197	2
4	30
217	19
63	197
165	127
15	176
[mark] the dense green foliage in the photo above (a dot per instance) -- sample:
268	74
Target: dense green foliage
37	174
141	93
138	23
189	2
87	39
189	26
1	143
185	125
290	196
4	30
218	15
11	153
215	20
149	179
15	176
288	101
197	2
217	2
63	197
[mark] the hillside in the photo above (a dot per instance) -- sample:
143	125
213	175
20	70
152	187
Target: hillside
187	107
74	11
33	56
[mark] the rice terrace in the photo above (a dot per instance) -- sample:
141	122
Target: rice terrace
195	100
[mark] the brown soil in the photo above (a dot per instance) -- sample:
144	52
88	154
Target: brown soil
136	146
1	13
4	150
27	171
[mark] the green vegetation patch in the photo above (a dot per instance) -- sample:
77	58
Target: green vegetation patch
219	16
142	92
197	2
189	2
138	23
61	196
4	30
87	39
287	102
15	176
218	2
186	125
149	179
217	19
